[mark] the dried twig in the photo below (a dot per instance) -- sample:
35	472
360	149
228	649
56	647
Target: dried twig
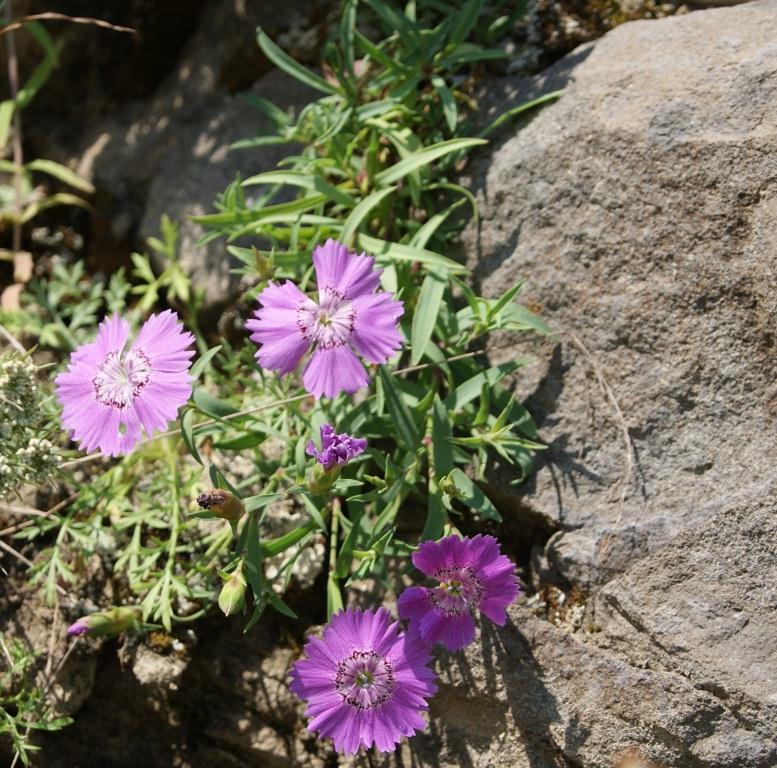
13	509
52	16
18	157
18	555
12	340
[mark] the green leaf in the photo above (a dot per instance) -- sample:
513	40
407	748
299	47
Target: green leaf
202	361
380	56
424	157
425	314
283	61
314	511
347	29
255	503
472	495
471	388
212	405
6	115
407	432
312	182
394	21
518	315
421	238
334	600
61	172
448	102
360	211
275	113
241	443
279	605
442	447
187	432
464	21
259	141
468	52
269	212
519	110
436	516
386	251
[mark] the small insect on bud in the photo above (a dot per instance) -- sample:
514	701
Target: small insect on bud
233	594
447	485
222	504
113	621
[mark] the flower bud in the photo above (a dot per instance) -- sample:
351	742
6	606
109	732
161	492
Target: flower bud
222	504
321	479
102	623
233	594
265	264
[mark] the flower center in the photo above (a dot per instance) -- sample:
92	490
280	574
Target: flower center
328	323
364	679
121	378
458	593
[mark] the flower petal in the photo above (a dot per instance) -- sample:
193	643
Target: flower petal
332	370
375	335
338	270
452	632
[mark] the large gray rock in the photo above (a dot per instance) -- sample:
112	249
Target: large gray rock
641	208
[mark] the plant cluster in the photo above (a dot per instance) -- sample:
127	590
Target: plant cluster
370	414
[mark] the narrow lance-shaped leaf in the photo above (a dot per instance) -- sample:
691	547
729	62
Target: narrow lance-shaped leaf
425	315
283	61
407	431
424	157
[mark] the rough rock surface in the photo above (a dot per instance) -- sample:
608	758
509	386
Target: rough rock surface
641	208
167	150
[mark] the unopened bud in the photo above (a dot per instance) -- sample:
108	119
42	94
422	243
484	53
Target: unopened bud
233	594
102	623
264	263
222	504
321	480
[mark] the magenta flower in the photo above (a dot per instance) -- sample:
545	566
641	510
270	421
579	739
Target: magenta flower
110	390
473	576
364	681
78	628
351	317
336	450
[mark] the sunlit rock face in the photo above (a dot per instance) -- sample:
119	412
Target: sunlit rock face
641	208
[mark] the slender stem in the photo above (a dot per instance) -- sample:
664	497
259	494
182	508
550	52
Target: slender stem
18	157
334	533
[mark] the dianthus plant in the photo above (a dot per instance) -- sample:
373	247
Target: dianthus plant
341	429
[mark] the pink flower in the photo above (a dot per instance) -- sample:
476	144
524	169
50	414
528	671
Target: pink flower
110	390
351	317
364	681
473	576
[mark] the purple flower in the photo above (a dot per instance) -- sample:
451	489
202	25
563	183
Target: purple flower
350	317
336	450
473	576
364	681
110	390
80	627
